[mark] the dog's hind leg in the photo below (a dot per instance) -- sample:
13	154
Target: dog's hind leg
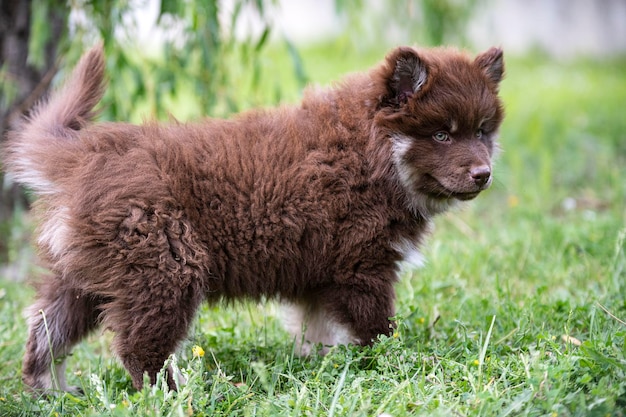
60	318
149	321
341	314
313	324
354	313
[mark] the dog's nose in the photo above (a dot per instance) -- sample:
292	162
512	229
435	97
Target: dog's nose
481	175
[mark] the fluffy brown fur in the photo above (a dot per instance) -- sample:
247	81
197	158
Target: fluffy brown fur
314	205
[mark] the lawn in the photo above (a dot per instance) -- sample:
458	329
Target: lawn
519	310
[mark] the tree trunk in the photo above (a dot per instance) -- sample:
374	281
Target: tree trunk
22	84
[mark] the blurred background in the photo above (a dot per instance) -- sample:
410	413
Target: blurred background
564	139
544	249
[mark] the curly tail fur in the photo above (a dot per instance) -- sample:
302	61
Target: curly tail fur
36	153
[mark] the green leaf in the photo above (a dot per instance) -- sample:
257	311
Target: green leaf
262	40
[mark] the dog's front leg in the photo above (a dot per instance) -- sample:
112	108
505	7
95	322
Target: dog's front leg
365	308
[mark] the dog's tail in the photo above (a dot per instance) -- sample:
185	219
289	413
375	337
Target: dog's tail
38	150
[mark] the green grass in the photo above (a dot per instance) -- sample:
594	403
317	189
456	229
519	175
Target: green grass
519	310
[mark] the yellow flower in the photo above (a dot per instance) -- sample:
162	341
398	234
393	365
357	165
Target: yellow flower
396	335
476	362
421	320
197	351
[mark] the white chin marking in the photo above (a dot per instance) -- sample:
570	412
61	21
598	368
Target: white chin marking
311	326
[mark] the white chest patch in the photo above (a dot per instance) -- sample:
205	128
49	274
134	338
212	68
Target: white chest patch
411	255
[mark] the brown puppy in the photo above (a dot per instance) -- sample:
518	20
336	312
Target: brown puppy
314	205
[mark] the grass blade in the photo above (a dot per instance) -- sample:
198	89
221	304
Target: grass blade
338	388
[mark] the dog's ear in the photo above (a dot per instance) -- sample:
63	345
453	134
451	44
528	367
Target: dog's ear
409	74
492	63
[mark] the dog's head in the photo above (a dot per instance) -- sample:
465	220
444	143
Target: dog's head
440	110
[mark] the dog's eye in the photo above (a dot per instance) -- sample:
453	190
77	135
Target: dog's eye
480	133
441	136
